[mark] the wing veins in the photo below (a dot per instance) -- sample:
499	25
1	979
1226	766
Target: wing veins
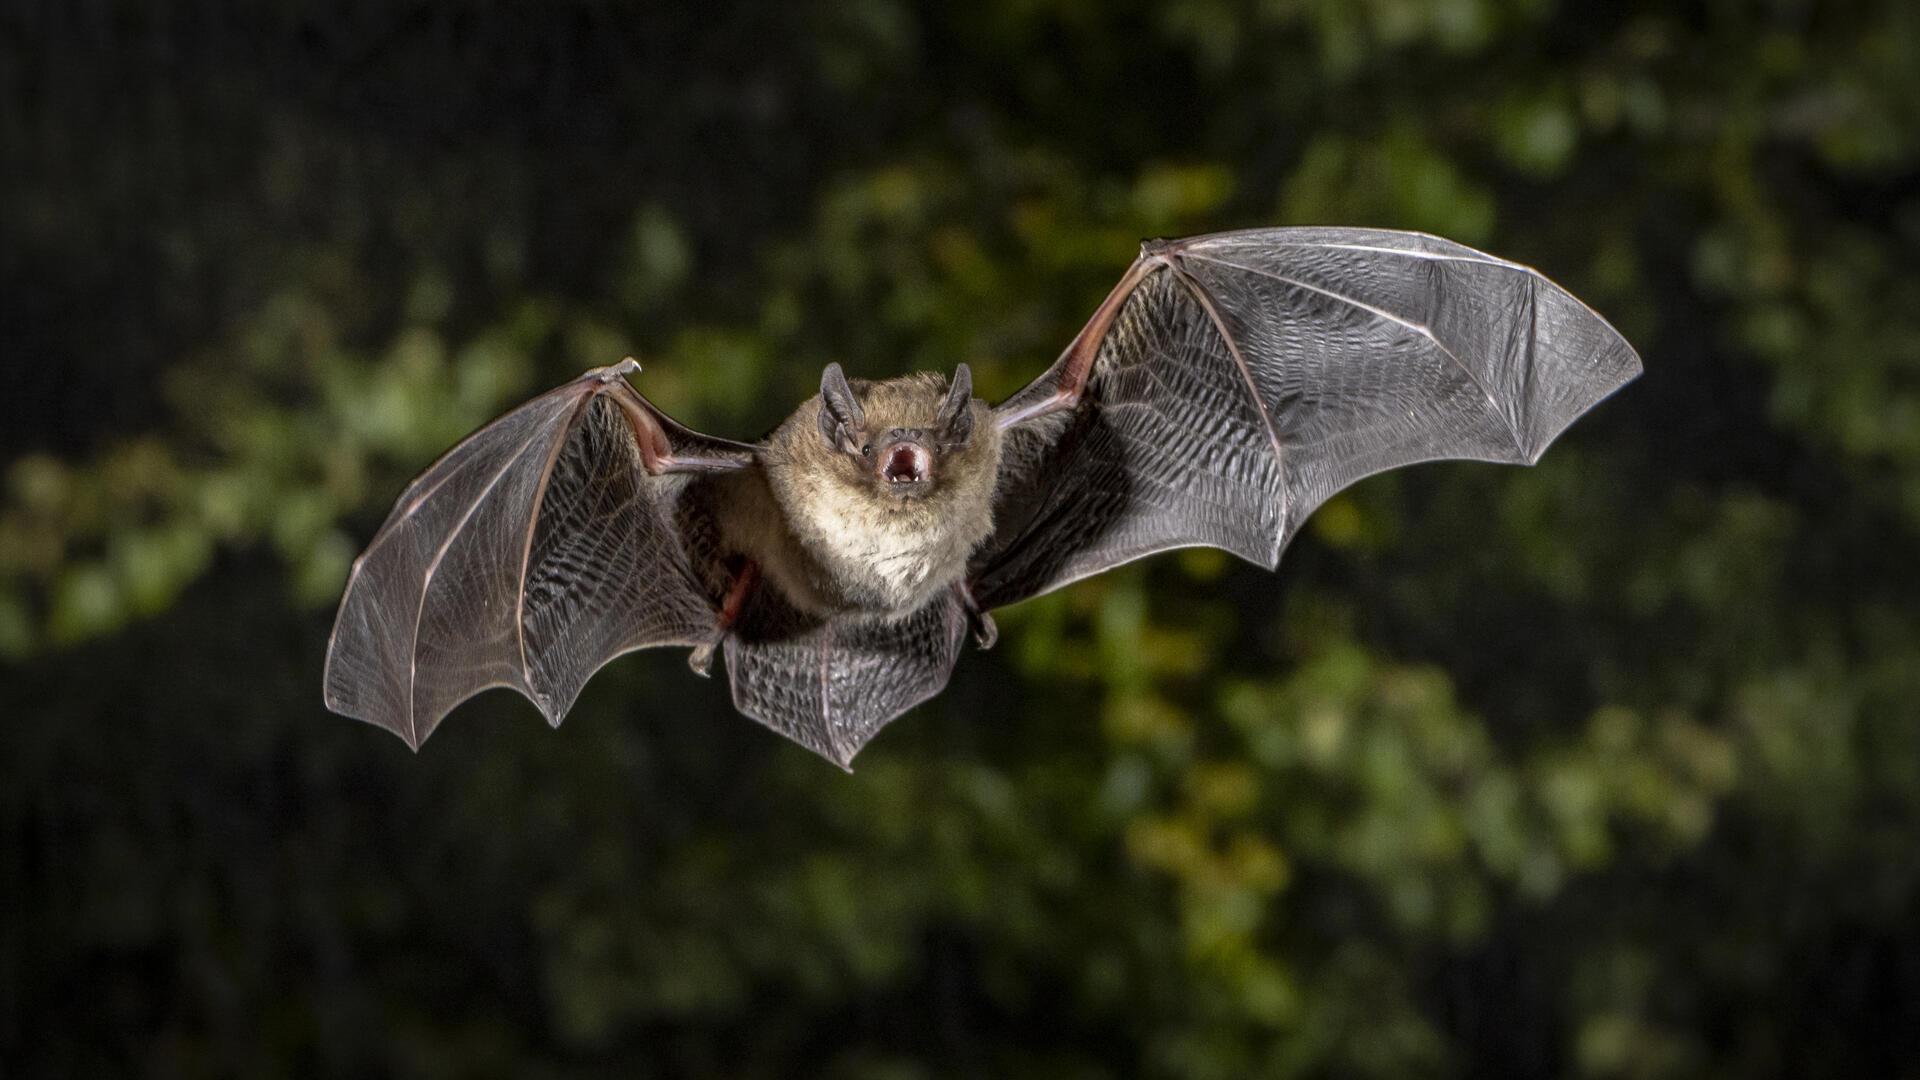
826	694
1513	432
1374	249
1200	296
414	503
426	585
526	549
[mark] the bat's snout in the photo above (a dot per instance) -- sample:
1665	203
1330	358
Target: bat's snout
906	463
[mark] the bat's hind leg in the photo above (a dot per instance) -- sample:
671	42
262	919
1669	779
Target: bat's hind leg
985	630
745	577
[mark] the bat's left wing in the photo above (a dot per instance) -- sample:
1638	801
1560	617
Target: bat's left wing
1231	383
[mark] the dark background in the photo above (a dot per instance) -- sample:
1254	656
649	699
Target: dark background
1606	768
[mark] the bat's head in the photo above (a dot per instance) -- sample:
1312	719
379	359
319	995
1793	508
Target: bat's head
902	435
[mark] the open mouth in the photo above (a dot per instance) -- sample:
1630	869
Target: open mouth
906	463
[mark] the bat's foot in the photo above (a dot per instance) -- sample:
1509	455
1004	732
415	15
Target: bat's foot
985	630
746	574
701	659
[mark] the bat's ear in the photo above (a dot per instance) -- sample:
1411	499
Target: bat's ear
956	413
840	412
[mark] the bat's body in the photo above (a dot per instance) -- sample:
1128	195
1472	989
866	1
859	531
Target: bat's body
834	536
1226	387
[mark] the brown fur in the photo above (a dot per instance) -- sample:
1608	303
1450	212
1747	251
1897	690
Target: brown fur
833	538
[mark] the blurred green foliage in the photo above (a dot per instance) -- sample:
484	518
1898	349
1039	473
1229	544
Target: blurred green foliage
1606	768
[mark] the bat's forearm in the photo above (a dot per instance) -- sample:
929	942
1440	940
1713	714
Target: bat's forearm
1076	363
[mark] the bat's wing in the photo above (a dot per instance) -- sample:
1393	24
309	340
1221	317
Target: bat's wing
831	685
531	554
1231	383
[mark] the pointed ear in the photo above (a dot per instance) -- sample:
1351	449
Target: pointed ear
840	412
956	413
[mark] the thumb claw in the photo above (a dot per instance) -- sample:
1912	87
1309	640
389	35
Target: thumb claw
611	372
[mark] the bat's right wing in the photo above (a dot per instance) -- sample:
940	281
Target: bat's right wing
1231	383
540	548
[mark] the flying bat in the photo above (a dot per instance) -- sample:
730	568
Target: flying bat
1227	386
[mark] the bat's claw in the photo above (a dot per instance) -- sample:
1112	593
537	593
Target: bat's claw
701	660
985	630
611	372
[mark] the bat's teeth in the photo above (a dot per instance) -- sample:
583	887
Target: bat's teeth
905	463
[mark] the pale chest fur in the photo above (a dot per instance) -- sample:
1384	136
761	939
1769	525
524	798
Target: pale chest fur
834	542
891	557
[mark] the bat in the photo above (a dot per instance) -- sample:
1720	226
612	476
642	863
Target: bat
1227	386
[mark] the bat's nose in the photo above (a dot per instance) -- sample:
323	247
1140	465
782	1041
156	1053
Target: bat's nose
906	463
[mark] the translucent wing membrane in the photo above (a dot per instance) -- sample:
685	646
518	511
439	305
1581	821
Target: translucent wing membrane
530	555
1244	378
832	685
607	573
1167	448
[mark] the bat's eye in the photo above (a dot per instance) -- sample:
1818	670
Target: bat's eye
867	450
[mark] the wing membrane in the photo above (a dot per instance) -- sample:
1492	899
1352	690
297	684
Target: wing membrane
1242	379
832	685
531	554
1167	448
